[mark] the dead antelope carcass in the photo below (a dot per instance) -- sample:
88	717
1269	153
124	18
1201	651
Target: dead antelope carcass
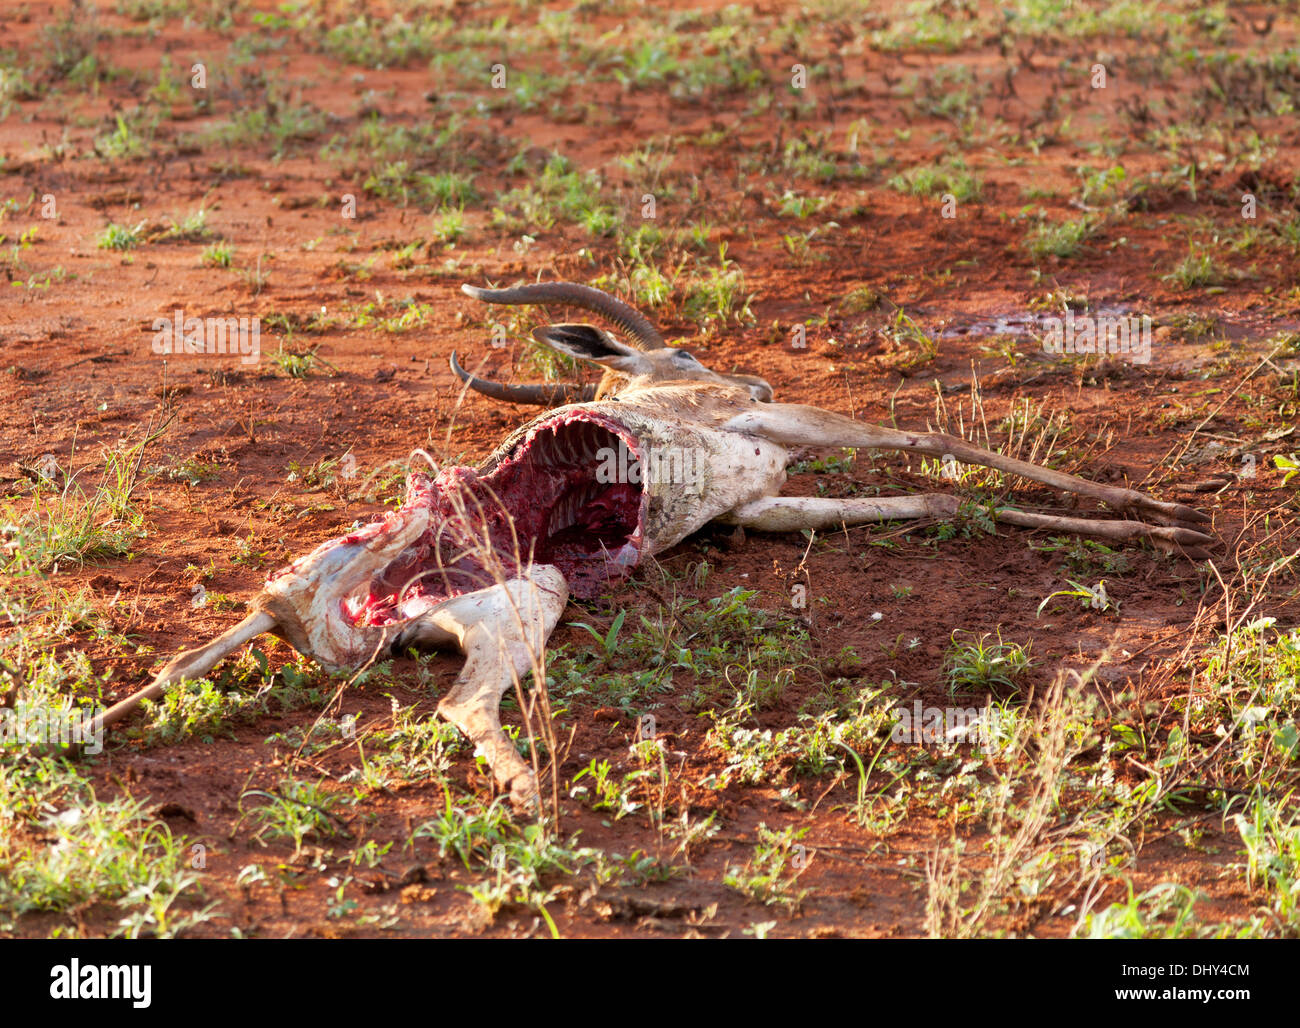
485	559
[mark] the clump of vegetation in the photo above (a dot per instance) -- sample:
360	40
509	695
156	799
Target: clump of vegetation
948	177
1195	271
121	237
85	852
218	255
981	665
1063	239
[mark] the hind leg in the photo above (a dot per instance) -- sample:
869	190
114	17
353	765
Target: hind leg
503	632
793	424
792	513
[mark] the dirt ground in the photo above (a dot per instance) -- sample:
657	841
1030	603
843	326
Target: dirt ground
796	189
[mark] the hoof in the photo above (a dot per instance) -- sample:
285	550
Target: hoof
524	797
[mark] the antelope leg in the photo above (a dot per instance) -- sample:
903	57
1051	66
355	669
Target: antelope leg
502	631
1170	538
794	424
303	602
190	664
793	513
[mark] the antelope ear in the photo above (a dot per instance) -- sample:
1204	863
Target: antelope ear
588	343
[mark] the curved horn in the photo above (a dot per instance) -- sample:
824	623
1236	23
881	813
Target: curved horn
537	395
625	316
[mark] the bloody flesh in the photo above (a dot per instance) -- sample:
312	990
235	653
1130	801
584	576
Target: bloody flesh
550	496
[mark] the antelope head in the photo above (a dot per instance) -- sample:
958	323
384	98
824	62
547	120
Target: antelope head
648	363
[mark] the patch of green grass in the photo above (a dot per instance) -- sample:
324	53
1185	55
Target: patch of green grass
194	709
14	85
817	744
66	48
1085	556
151	10
648	284
1251	676
838	465
1165	911
470	833
218	255
258	276
1195	271
326	473
772	874
72	523
945	177
1106	187
243	691
724	645
283	124
1289	232
77	854
793	205
914	346
392	316
814	159
861	299
129	138
1195	325
398	183
449	226
605	790
297	364
191	228
120	237
194	471
716	293
44	280
1271	835
378	143
559	191
411	747
1091	597
928	26
296	811
518	859
1060	239
529	90
373	41
984	666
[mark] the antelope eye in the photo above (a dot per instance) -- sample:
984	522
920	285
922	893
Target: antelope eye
684	358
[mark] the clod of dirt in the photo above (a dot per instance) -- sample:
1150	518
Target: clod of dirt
419	894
